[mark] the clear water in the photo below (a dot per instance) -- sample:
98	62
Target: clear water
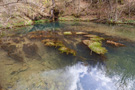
56	71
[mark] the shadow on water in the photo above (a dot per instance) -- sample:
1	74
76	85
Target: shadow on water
26	64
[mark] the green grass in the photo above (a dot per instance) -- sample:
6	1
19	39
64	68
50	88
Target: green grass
41	21
130	21
19	24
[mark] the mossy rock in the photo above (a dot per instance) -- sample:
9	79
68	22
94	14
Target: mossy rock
49	44
94	43
95	46
97	39
81	33
67	33
66	50
90	36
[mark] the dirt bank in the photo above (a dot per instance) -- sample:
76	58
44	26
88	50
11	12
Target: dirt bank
19	13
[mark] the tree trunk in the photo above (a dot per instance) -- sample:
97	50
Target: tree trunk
52	9
78	11
116	11
111	9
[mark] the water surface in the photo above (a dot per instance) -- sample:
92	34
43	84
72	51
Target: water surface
49	69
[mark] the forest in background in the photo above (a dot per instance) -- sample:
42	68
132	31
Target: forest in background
26	12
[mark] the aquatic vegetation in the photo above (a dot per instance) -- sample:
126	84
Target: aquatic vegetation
51	39
90	36
40	35
115	43
47	40
67	33
63	49
50	43
97	48
33	37
80	33
66	50
96	38
95	44
57	43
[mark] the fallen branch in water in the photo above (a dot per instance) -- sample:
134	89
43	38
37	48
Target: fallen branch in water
115	43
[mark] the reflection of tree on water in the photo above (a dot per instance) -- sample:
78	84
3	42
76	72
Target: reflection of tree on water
46	26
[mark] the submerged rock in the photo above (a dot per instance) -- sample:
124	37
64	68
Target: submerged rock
16	56
8	47
16	40
30	50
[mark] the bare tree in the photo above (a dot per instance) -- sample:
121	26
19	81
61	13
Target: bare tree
78	10
52	9
116	11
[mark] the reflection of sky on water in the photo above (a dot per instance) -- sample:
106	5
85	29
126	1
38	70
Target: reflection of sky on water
87	78
76	77
93	78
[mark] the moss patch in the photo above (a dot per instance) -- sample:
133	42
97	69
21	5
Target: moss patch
41	21
95	44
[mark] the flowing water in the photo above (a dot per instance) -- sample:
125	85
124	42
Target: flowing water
45	68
